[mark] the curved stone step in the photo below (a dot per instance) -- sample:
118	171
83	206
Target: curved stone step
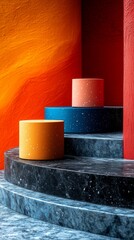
96	219
14	226
100	181
103	145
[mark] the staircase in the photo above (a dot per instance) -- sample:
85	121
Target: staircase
86	195
80	197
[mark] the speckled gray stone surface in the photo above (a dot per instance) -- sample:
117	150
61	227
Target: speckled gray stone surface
108	145
14	226
97	219
100	181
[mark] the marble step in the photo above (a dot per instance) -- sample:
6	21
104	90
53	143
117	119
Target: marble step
96	219
14	226
100	181
103	145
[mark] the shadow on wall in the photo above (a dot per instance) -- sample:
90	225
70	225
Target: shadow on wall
102	41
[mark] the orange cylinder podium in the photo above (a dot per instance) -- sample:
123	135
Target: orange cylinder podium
88	92
41	139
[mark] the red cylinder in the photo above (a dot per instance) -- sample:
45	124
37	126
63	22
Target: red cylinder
128	79
88	92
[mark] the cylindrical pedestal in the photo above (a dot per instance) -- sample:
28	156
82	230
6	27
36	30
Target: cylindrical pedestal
88	92
128	94
41	139
87	120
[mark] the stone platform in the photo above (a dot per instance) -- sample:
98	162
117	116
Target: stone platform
103	145
86	195
14	226
96	180
93	218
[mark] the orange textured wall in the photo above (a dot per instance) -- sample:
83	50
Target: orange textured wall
40	54
102	41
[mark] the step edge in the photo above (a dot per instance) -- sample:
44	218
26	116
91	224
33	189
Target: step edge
53	202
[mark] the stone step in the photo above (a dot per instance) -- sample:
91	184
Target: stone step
100	181
87	119
103	145
96	219
14	226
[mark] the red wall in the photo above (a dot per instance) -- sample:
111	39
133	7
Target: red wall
102	36
128	79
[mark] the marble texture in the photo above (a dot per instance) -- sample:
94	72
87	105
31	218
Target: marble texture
14	226
100	181
97	219
108	145
87	119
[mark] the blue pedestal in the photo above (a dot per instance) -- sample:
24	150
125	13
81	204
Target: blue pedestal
87	119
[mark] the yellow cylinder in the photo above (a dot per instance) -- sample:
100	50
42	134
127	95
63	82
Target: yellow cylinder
41	139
